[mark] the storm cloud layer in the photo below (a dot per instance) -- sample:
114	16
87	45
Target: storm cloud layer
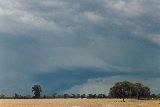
77	46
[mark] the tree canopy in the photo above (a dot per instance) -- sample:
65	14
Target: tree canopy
126	89
37	91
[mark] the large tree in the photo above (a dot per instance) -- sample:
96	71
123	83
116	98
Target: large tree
37	91
127	89
121	90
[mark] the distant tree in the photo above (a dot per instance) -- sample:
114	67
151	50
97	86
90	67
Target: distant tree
153	96
90	96
54	95
66	95
94	96
101	95
16	96
44	96
78	96
73	96
27	97
158	95
2	96
83	96
37	91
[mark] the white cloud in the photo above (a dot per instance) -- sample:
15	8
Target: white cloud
55	3
126	8
15	18
103	85
33	21
156	39
153	38
141	32
93	17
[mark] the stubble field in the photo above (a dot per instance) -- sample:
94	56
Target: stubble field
78	103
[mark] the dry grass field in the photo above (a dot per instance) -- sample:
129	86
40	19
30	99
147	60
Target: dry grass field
78	103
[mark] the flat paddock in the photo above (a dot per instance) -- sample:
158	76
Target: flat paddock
78	103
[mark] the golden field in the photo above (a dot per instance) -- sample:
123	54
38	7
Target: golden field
77	103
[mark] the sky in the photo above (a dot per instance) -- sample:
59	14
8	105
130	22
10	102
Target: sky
78	46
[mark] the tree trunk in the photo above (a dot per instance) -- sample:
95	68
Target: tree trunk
123	99
138	97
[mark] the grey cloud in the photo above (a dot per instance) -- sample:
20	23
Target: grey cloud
111	35
103	85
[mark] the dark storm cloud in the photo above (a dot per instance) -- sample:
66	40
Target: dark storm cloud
107	36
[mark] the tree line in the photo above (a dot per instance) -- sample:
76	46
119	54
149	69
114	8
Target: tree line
122	90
